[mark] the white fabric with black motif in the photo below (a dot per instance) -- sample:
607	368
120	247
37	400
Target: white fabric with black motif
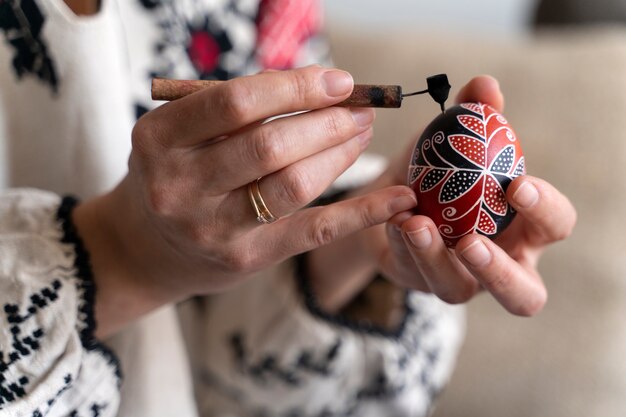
70	91
50	365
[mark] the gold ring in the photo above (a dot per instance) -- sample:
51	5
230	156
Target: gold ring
263	214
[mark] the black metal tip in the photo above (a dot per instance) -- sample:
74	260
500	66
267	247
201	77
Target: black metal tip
439	89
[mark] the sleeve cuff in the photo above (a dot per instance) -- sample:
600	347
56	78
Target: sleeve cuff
360	326
86	324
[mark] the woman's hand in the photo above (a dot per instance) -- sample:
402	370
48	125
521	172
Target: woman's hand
410	252
416	256
182	223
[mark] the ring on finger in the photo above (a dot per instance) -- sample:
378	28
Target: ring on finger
263	214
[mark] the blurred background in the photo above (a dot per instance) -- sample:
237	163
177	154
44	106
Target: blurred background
501	17
562	67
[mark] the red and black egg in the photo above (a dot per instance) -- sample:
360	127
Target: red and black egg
460	169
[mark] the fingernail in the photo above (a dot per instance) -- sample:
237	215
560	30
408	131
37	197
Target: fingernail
364	138
402	203
337	83
421	238
363	116
477	254
526	195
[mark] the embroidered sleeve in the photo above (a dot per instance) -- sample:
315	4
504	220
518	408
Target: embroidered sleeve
262	351
50	362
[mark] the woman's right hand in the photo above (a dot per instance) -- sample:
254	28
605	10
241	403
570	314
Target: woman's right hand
182	221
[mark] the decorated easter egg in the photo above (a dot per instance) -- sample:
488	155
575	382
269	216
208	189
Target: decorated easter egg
460	169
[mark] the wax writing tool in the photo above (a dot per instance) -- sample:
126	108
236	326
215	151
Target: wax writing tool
363	95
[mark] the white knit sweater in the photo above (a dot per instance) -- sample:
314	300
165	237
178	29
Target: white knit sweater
70	91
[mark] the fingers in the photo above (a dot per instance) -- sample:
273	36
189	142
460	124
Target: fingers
438	267
227	107
314	227
302	182
515	286
295	186
455	277
550	215
396	263
484	89
477	262
255	153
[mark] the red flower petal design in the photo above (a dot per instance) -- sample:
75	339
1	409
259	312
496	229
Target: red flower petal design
494	196
473	123
486	224
471	148
474	107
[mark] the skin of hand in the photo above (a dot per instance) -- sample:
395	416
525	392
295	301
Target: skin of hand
181	222
410	252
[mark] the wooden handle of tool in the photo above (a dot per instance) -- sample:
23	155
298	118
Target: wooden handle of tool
363	95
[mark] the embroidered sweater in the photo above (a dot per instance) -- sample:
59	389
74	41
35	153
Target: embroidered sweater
70	90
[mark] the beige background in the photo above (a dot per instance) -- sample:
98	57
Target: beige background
566	99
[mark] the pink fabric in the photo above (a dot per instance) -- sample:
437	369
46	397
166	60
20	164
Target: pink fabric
283	27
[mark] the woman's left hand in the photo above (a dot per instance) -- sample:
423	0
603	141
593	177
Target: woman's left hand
414	255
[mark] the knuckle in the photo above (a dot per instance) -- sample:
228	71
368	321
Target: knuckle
235	260
499	281
144	133
302	84
236	101
322	231
267	148
372	212
337	123
298	189
350	154
369	213
198	234
159	199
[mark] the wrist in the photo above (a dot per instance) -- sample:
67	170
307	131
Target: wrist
126	288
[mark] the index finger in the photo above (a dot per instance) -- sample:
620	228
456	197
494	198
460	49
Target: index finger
517	287
484	89
234	104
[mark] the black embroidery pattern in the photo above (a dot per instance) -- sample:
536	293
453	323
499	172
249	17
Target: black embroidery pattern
418	350
95	410
312	305
416	341
268	367
22	22
359	326
67	384
85	285
25	340
23	346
